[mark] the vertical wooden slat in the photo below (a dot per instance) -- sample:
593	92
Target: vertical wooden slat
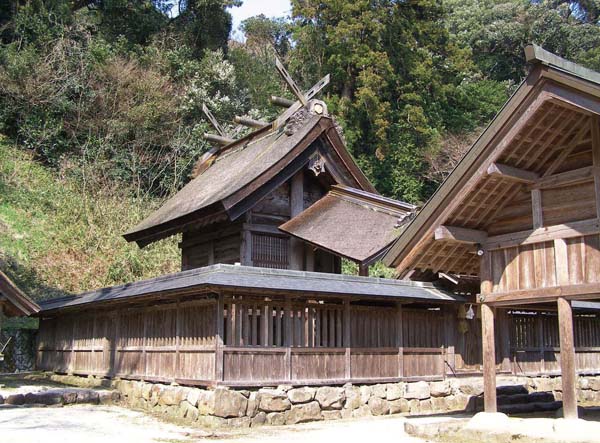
265	324
296	249
400	339
219	338
177	363
567	358
562	262
346	341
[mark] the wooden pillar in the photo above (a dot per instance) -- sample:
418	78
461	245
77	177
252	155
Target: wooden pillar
288	339
449	337
296	207
596	159
363	270
177	363
219	338
567	358
347	344
310	258
489	358
487	336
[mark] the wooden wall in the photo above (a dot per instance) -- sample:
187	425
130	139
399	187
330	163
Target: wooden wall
255	240
272	340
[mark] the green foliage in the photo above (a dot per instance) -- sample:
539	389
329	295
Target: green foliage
57	236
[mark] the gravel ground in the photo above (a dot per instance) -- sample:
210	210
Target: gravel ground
91	424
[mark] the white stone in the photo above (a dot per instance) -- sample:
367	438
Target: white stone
418	390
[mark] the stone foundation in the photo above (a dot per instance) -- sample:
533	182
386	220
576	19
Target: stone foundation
290	405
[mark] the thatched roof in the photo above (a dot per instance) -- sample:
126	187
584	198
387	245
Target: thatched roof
354	224
241	173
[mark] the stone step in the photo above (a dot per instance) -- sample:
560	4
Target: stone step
534	397
527	408
512	389
52	397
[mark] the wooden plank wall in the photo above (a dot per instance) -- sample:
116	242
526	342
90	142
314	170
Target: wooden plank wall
163	343
276	340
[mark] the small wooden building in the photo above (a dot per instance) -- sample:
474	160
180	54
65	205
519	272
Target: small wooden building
265	224
521	214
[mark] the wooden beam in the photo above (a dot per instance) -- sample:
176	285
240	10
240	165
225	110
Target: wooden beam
213	121
281	101
460	235
583	291
511	173
567	358
250	122
219	139
290	81
547	233
566	178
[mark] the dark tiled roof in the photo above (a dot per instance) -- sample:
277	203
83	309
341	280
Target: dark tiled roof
244	277
349	222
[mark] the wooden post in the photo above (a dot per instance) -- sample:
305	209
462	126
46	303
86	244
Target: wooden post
487	336
595	121
310	258
219	338
145	343
347	344
567	358
504	325
363	270
540	330
400	339
489	358
296	207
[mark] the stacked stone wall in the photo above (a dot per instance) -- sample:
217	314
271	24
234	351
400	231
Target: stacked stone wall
282	405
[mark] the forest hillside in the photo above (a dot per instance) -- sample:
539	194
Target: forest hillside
100	105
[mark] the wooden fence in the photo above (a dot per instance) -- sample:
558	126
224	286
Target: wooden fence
250	340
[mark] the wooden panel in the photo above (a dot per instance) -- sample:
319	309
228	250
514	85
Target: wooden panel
568	204
254	365
423	362
323	363
380	363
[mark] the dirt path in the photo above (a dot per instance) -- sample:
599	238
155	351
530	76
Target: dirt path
95	424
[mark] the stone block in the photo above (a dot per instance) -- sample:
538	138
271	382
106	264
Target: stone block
399	406
301	395
193	396
228	403
206	402
211	422
414	407
365	394
330	398
15	399
172	395
276	418
44	398
363	411
353	398
300	413
259	419
438	404
417	390
87	396
332	415
252	407
239	422
471	387
395	391
440	388
379	390
425	406
379	406
275	401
